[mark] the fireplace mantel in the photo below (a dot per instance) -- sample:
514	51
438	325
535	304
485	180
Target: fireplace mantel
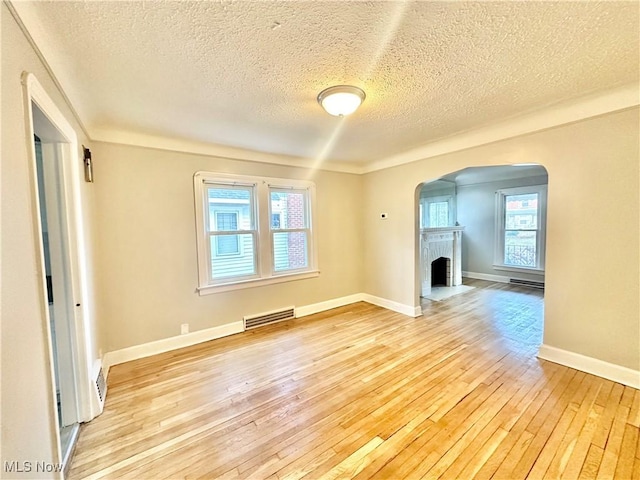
441	242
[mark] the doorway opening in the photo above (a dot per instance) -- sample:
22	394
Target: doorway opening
55	190
59	304
490	223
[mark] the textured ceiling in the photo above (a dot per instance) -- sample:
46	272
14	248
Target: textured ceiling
246	74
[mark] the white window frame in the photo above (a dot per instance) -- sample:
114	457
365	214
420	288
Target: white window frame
500	230
265	268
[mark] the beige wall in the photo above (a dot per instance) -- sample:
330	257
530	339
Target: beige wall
147	244
592	265
28	415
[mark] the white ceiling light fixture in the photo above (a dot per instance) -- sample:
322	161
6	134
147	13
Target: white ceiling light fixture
341	100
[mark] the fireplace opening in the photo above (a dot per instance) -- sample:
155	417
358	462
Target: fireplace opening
440	269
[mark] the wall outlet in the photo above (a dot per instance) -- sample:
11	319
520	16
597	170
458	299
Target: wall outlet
184	328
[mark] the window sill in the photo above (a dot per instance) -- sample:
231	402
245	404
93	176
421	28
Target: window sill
258	282
507	268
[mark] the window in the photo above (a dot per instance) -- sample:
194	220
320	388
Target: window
436	212
520	228
253	230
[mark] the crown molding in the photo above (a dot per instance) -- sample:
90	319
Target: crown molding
602	103
25	17
621	98
215	150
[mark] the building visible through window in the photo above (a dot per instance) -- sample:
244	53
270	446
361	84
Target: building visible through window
227	244
290	231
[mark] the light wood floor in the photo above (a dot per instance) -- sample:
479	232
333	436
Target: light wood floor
362	392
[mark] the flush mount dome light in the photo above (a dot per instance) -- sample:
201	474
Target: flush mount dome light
341	100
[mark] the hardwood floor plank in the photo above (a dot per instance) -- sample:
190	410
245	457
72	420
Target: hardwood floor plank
591	464
606	421
418	427
582	444
634	412
565	448
611	454
353	464
518	437
409	459
501	467
626	460
540	427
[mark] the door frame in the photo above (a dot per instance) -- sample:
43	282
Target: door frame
73	235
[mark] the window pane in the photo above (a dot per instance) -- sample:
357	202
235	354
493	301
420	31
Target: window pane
290	250
288	209
438	214
520	248
226	202
226	263
521	212
227	245
226	221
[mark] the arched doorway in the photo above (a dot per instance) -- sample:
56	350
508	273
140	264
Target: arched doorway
480	226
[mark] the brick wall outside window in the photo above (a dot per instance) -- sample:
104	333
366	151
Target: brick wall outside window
295	219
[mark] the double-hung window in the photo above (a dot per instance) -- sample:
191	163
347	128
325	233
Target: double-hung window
520	228
253	230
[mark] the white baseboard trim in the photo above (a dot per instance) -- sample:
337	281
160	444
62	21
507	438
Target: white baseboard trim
486	276
391	305
328	305
172	343
600	368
